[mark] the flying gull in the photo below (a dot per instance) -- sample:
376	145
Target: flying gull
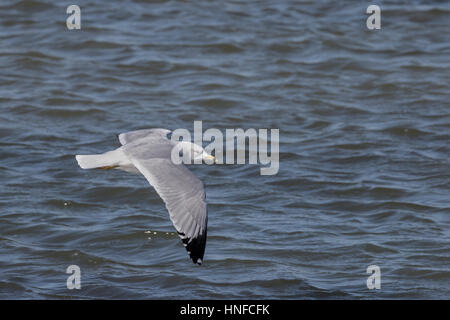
149	152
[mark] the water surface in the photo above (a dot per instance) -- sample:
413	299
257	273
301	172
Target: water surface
364	148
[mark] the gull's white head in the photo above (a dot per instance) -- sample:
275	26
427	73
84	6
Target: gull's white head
187	152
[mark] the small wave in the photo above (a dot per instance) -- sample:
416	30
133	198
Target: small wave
70	113
31	5
95	44
222	48
356	146
405	206
405	132
214	103
421	272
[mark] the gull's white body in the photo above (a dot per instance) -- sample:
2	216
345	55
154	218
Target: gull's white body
115	158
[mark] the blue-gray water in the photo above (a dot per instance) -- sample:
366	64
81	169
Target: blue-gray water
364	119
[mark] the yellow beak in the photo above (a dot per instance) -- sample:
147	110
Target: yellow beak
210	157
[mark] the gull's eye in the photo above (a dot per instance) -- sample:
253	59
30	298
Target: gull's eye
180	153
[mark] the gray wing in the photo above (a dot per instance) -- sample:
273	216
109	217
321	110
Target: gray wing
181	190
131	136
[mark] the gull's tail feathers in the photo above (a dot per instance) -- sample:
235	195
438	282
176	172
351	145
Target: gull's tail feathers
107	160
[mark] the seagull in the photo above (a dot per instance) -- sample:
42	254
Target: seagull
149	152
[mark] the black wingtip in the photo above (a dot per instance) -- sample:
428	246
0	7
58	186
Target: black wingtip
195	247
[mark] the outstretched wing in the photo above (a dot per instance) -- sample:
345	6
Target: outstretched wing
182	192
131	136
